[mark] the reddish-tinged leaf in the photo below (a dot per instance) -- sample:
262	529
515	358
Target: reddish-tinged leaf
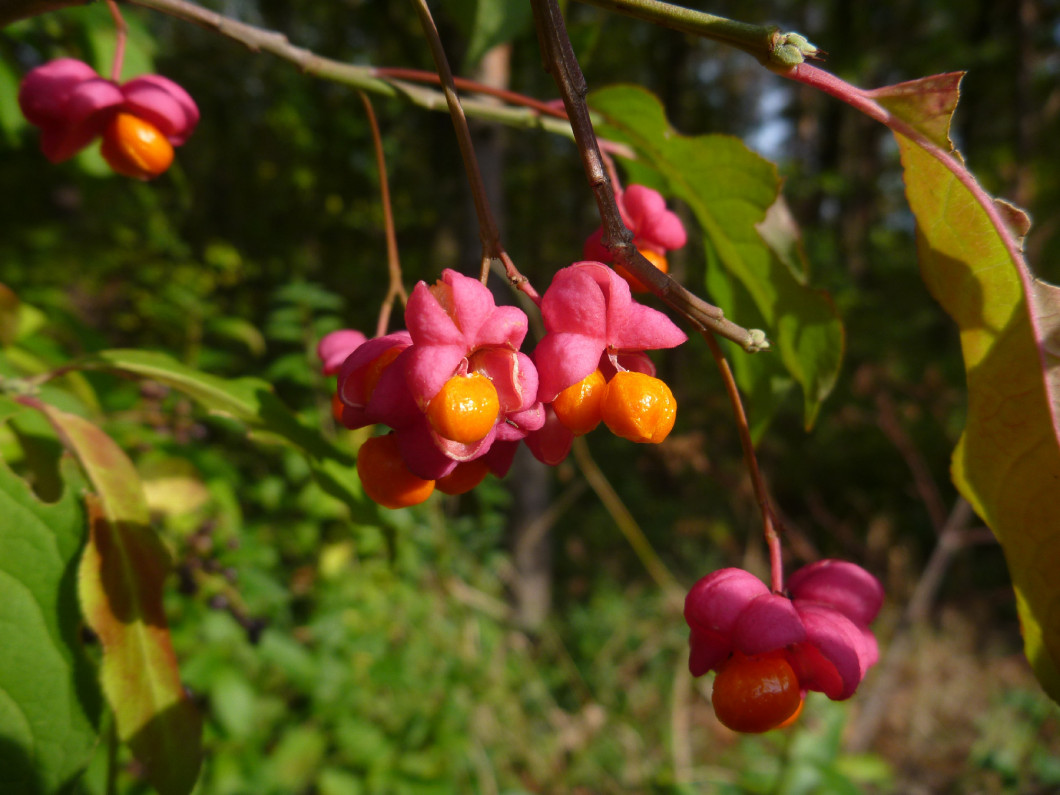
926	104
120	586
1007	463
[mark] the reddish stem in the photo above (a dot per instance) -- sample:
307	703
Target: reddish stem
489	234
776	562
471	86
862	100
510	97
121	34
396	289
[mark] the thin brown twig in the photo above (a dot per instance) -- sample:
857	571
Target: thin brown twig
561	62
546	109
395	289
489	234
473	86
263	40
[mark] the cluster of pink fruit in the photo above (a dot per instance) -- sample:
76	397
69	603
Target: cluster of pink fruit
458	395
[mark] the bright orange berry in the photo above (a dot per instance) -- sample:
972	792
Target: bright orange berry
463	478
465	409
635	284
386	478
639	407
135	148
579	406
755	694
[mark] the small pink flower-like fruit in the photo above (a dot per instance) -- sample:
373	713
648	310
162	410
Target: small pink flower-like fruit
333	348
593	322
461	340
140	120
821	631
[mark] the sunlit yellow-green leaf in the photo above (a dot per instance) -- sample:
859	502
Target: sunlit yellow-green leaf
1007	463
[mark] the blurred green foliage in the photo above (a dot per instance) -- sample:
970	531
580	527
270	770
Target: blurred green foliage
336	656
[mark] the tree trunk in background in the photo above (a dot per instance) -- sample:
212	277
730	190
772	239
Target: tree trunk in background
528	480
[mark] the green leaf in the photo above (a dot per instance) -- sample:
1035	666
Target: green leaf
295	759
120	586
734	195
252	402
240	330
49	699
1007	463
11	119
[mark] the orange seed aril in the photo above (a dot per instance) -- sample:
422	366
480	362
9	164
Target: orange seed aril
756	694
579	406
639	407
135	148
465	408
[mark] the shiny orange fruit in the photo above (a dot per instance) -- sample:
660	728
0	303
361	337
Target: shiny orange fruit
579	406
639	407
635	284
386	478
464	477
135	148
756	694
465	408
